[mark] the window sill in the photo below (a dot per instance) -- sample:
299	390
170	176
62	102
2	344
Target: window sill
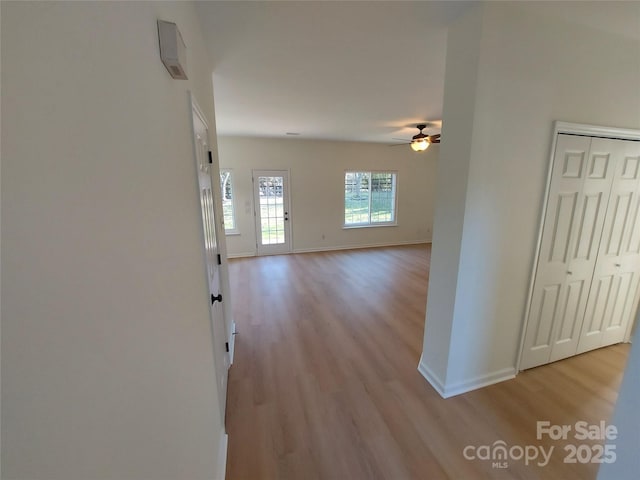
231	233
369	225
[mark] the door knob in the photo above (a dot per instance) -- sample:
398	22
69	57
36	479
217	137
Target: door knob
216	299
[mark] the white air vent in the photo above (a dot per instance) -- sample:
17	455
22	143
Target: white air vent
172	49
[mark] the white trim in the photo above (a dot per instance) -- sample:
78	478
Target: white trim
447	391
571	129
195	107
222	457
479	382
394	190
359	246
276	249
336	248
369	225
431	377
595	131
241	255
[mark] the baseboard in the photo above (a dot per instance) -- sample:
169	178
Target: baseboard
336	247
222	457
431	377
447	391
479	382
359	246
241	255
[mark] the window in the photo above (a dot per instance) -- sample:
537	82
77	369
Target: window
369	198
228	210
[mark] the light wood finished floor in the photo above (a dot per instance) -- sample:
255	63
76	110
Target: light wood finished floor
325	386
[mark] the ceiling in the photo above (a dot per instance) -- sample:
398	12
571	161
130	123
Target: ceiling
347	70
363	71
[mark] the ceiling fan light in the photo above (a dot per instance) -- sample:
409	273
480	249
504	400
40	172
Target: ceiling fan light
419	145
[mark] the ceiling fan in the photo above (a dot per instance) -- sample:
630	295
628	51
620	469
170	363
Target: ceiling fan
421	141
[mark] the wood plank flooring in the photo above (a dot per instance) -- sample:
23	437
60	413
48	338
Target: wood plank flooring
325	382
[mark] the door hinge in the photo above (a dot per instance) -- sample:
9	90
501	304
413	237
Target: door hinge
219	260
226	346
215	298
210	157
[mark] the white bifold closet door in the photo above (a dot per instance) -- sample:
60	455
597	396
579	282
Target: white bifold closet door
612	302
589	175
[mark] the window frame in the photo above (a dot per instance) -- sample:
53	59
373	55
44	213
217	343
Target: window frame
234	230
370	224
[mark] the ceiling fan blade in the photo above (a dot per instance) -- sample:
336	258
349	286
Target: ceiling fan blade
401	139
434	138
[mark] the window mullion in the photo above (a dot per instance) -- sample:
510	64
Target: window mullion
393	198
370	194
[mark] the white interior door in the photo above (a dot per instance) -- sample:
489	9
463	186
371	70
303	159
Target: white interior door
613	299
576	208
221	357
272	213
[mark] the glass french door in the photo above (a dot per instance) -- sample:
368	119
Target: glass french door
271	206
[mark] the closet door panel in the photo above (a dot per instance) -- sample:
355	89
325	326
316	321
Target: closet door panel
613	299
620	214
569	211
570	320
543	313
596	187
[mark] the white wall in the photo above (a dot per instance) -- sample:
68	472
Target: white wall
107	360
532	70
317	190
